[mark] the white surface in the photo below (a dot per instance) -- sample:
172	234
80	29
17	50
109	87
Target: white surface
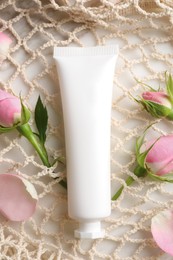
126	124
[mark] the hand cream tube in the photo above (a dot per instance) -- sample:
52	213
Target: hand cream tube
86	79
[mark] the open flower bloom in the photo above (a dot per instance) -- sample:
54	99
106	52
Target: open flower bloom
162	230
5	42
156	157
159	103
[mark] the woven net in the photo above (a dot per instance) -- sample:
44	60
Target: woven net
143	30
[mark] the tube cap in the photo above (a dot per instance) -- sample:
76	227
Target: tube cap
89	230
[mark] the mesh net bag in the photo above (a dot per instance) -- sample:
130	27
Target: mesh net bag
143	30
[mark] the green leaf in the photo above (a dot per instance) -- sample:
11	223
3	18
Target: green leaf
25	114
41	120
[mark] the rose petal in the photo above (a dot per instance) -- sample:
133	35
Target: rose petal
5	42
162	230
166	169
161	168
18	197
162	149
5	39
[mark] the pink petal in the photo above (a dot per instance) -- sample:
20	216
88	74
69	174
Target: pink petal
4	95
166	169
5	42
162	230
18	197
161	168
5	39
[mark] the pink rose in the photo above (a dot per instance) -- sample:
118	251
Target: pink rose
159	103
154	158
10	109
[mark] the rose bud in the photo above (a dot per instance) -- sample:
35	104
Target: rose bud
154	158
5	42
159	103
10	109
15	116
162	230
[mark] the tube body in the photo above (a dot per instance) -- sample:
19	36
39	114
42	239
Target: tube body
86	80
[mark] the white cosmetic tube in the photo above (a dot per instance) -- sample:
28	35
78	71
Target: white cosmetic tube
86	80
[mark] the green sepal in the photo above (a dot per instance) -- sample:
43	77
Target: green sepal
140	171
140	141
170	116
155	109
169	86
142	156
25	115
141	159
149	87
6	129
166	177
